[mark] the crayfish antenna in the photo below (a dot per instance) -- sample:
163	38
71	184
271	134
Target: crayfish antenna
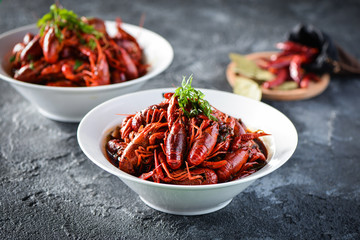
189	174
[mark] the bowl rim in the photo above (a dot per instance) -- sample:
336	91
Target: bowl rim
147	76
121	174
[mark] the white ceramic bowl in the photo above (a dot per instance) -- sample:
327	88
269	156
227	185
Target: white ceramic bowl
188	200
70	104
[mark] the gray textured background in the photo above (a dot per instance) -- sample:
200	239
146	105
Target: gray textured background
49	189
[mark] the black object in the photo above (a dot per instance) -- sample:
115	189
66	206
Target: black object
331	58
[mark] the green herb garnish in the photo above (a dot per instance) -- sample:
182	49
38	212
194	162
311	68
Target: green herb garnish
77	64
12	58
59	18
92	44
31	66
192	101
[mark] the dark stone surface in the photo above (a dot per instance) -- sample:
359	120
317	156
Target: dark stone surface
48	188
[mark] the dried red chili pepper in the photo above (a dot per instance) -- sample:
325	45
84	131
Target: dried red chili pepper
305	81
313	77
280	62
289	64
296	72
282	76
292	47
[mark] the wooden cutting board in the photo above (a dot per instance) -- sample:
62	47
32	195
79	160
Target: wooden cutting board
314	88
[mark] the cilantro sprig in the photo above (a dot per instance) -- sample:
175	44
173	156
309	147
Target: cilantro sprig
59	18
192	101
77	64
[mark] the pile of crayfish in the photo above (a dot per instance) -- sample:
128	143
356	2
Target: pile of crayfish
164	144
288	65
70	51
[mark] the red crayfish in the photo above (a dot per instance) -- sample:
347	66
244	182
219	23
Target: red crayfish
76	52
163	144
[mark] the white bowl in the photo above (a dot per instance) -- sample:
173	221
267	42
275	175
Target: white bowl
188	200
70	104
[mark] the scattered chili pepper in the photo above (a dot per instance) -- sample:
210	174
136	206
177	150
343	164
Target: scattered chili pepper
280	62
305	81
314	77
282	76
292	47
289	64
296	72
